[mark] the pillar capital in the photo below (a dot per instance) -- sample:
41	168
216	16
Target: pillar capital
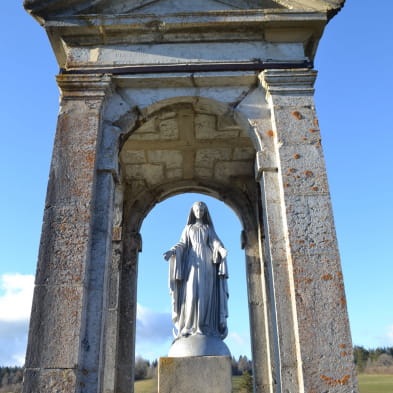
289	82
78	86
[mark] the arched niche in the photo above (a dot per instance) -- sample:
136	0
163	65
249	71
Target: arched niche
160	230
180	145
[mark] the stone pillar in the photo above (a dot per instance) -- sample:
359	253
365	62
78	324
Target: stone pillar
132	243
112	307
313	342
258	311
66	323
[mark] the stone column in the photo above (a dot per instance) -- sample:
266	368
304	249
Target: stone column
132	245
259	312
313	342
66	324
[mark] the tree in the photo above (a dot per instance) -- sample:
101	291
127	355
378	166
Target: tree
141	368
244	365
234	365
246	384
361	356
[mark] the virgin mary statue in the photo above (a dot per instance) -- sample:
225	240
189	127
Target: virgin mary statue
198	282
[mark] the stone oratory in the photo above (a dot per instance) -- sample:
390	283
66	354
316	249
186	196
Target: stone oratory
164	97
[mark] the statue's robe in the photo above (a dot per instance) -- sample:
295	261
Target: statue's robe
198	283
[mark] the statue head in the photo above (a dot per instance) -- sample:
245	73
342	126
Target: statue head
199	210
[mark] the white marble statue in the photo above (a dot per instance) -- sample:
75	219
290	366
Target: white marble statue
198	278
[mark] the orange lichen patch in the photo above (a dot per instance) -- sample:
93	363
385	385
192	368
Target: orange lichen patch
343	301
292	170
340	275
286	185
316	123
343	353
312	245
296	156
314	188
344	380
308	280
270	133
90	157
300	241
308	173
297	115
331	382
342	346
313	130
327	277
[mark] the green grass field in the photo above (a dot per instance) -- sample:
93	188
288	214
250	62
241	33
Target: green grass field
375	383
367	384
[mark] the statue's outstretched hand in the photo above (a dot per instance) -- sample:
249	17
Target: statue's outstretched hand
168	254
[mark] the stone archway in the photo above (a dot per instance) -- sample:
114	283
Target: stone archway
194	145
199	83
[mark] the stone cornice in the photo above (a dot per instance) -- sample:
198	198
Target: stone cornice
84	86
87	32
46	9
289	82
331	7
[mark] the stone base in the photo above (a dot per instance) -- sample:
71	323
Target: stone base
198	345
198	374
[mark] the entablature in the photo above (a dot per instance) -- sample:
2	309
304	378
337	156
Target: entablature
124	33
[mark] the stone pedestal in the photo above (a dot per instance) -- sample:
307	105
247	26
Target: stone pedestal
198	345
197	374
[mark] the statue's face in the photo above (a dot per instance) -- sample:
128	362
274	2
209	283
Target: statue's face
199	210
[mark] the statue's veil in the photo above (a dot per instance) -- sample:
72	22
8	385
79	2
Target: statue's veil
206	219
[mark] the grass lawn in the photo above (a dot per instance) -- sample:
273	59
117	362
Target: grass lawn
146	386
375	383
367	384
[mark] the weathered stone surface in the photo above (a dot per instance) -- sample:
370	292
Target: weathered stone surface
310	256
49	381
198	374
54	336
171	158
134	157
206	158
183	131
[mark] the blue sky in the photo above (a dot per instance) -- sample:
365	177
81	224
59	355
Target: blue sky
354	103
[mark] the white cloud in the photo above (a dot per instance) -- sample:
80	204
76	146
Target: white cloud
17	294
15	305
152	325
153	333
13	341
239	344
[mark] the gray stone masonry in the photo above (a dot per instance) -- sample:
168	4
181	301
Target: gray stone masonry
197	374
167	97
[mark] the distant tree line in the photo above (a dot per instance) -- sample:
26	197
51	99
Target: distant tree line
374	361
241	366
369	361
144	369
11	377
